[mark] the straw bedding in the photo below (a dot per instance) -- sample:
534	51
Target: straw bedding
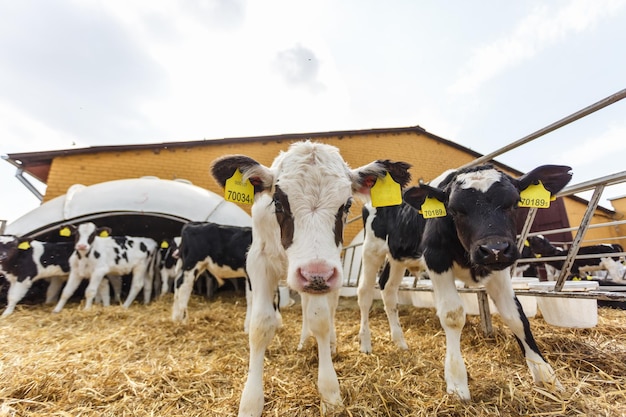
136	362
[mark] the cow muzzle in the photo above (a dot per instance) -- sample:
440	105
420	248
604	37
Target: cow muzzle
497	255
317	278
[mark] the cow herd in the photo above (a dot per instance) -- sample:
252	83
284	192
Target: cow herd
459	226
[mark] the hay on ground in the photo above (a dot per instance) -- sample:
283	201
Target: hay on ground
137	362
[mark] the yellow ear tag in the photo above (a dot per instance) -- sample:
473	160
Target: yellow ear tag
527	243
24	245
535	196
237	190
165	245
432	208
386	192
104	233
66	232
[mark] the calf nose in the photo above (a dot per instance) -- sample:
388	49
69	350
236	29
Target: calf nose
317	277
82	246
495	253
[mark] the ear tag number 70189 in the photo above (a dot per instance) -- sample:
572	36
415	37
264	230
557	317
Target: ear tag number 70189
432	208
237	190
535	195
386	192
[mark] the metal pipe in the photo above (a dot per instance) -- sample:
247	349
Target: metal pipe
554	126
19	174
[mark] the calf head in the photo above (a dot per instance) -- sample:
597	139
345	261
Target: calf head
301	204
9	247
84	235
480	203
540	246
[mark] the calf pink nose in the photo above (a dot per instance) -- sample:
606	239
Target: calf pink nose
81	246
317	271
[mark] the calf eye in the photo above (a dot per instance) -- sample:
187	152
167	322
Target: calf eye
278	206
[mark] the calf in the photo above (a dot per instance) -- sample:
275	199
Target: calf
474	240
97	254
169	264
24	261
300	206
540	246
219	249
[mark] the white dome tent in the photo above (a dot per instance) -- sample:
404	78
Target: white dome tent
164	206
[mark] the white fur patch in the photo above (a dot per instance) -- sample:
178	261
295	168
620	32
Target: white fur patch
479	180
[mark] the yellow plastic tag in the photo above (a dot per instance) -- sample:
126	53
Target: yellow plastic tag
24	245
104	233
386	192
65	231
165	245
527	243
237	190
535	196
432	208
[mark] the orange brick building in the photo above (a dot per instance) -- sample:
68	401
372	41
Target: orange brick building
429	155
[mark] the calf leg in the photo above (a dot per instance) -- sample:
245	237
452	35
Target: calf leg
182	293
116	283
17	291
94	285
390	300
501	291
137	282
104	293
53	290
320	313
305	332
263	325
367	282
73	281
452	318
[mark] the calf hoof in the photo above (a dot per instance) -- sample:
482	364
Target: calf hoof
331	408
462	392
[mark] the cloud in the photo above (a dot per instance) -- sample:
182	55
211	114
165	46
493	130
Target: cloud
298	66
73	68
543	28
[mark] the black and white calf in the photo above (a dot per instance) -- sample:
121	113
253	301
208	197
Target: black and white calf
169	264
24	261
540	246
300	206
475	242
97	254
219	249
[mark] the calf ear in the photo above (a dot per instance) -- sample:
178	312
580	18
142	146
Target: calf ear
67	230
104	231
366	176
553	177
224	168
415	196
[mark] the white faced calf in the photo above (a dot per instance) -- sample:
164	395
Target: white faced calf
300	207
476	242
97	254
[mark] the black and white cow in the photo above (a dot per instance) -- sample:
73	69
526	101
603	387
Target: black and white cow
24	261
540	246
215	248
169	264
475	242
300	206
97	254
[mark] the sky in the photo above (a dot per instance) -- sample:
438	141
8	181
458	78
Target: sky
480	73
